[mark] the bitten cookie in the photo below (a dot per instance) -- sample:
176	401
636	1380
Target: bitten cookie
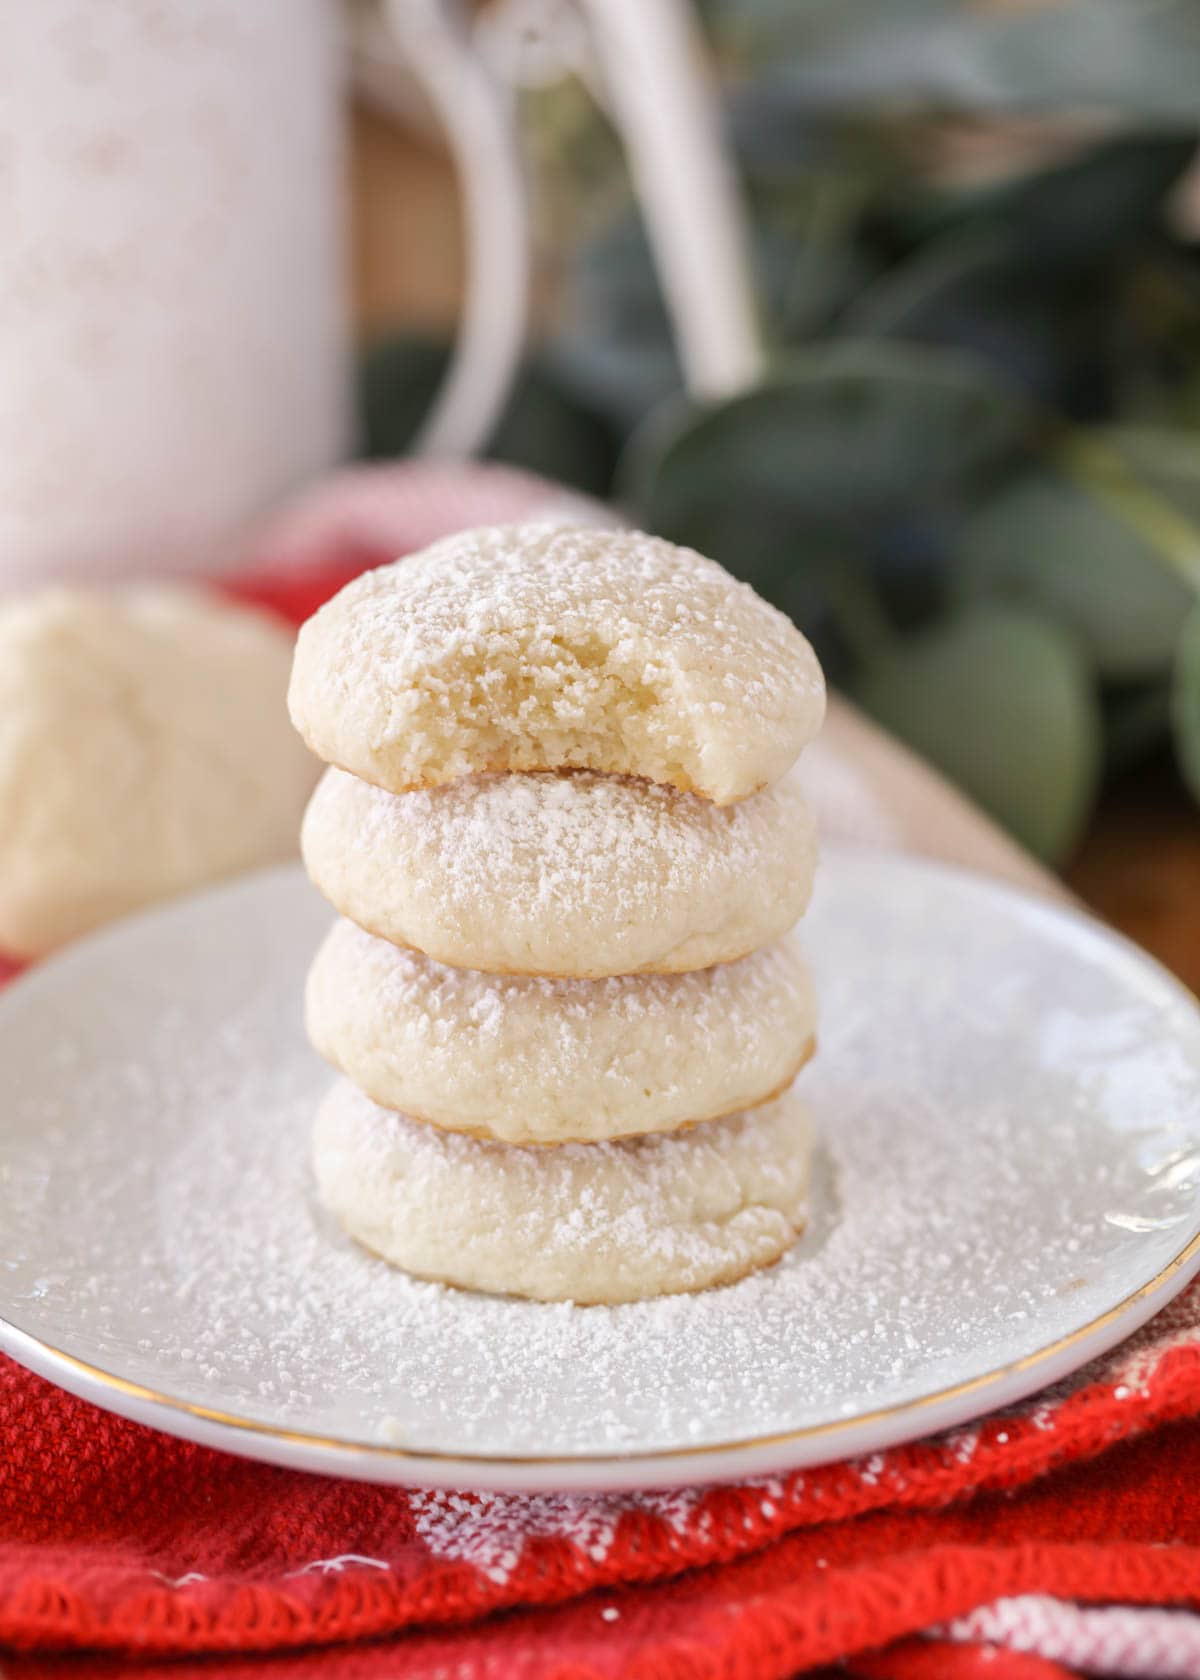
570	875
529	1060
606	1222
540	647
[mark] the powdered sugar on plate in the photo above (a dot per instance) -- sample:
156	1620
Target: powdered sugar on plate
1010	1145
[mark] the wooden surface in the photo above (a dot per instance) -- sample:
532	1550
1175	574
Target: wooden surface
1139	867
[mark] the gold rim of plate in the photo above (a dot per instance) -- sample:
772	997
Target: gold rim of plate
809	1432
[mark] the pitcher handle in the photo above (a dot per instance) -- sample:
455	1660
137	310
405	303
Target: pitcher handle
477	116
656	85
658	88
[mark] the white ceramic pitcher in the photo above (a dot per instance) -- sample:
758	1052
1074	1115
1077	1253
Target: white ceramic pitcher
173	330
173	333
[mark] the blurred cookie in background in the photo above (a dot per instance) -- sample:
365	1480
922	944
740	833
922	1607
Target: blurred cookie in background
145	749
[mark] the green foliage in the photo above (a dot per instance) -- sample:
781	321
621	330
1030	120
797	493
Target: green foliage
1046	541
1162	464
1140	64
972	473
1004	704
617	354
543	426
842	434
797	485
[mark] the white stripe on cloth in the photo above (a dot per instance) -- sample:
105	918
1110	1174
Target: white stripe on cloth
1135	1643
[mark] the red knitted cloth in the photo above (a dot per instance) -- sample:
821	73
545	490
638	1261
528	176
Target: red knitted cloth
129	1549
114	1538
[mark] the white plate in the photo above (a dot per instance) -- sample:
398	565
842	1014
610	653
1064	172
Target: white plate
1009	1102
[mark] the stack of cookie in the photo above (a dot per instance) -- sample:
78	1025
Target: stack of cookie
563	832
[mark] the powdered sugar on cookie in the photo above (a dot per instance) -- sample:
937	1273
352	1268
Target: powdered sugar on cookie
517	648
591	1223
532	1060
600	874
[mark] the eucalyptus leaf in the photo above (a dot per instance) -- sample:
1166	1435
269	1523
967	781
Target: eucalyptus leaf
1146	477
1033	274
761	27
775	140
910	563
615	350
1045	542
842	436
967	291
1137	62
547	430
1062	217
1185	703
910	297
542	428
808	261
1004	705
619	375
1153	338
1077	215
1167	460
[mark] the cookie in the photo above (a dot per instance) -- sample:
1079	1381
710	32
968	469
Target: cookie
569	875
145	749
542	647
609	1222
529	1060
